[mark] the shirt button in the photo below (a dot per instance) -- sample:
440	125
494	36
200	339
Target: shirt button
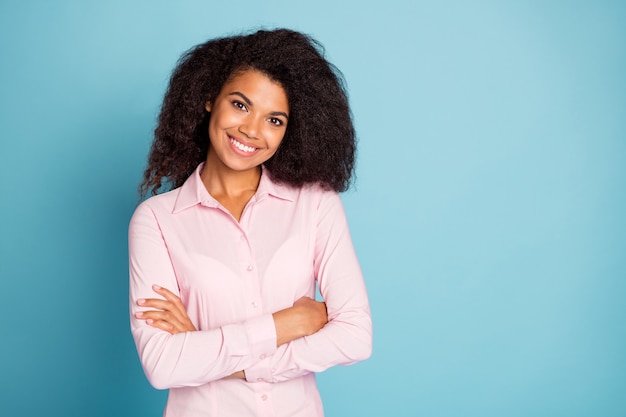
260	379
249	268
263	356
242	238
255	304
264	397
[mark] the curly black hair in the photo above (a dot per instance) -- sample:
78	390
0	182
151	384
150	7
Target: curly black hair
319	144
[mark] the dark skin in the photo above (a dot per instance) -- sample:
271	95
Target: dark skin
304	318
254	111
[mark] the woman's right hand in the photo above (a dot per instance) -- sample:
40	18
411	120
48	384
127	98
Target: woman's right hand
304	318
168	314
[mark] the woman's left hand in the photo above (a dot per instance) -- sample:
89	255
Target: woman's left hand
169	314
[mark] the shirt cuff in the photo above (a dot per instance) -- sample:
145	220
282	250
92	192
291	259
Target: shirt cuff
259	372
261	336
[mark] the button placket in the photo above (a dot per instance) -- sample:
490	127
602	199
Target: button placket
250	272
246	258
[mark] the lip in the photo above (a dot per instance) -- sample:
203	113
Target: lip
239	151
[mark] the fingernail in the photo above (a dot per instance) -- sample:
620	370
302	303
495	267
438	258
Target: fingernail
156	287
141	301
149	321
138	314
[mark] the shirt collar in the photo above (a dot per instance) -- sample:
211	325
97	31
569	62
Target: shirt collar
193	191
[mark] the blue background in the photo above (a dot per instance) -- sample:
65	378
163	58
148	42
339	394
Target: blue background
488	213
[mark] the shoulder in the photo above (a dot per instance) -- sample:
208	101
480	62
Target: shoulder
322	194
319	199
158	205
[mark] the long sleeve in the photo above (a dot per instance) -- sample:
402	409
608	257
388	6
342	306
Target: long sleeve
191	358
347	337
231	276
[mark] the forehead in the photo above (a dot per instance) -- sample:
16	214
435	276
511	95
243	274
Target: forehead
260	89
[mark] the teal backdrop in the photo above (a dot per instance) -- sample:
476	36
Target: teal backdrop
489	211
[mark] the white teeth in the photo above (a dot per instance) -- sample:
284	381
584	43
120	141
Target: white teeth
241	146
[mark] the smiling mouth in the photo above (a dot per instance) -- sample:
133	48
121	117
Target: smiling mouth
242	147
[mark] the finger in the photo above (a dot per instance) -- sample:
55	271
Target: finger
171	305
158	315
157	303
171	326
178	319
163	320
163	325
168	309
176	305
170	296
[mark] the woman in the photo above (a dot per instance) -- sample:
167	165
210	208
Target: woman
255	138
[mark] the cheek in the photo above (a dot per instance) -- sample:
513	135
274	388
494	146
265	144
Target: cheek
223	118
277	138
219	122
212	131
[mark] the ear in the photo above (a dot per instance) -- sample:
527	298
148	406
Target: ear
207	106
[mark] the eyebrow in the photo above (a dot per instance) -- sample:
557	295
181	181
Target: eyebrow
249	103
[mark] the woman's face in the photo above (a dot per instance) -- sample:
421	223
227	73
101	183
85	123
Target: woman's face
248	121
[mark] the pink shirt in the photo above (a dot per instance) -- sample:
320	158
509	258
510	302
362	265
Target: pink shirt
232	276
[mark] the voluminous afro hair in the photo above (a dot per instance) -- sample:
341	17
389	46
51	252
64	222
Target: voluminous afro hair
319	143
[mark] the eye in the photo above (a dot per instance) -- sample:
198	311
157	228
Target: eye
239	105
276	121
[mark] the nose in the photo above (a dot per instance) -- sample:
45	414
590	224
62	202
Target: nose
251	126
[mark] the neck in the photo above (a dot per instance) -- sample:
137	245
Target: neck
220	180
